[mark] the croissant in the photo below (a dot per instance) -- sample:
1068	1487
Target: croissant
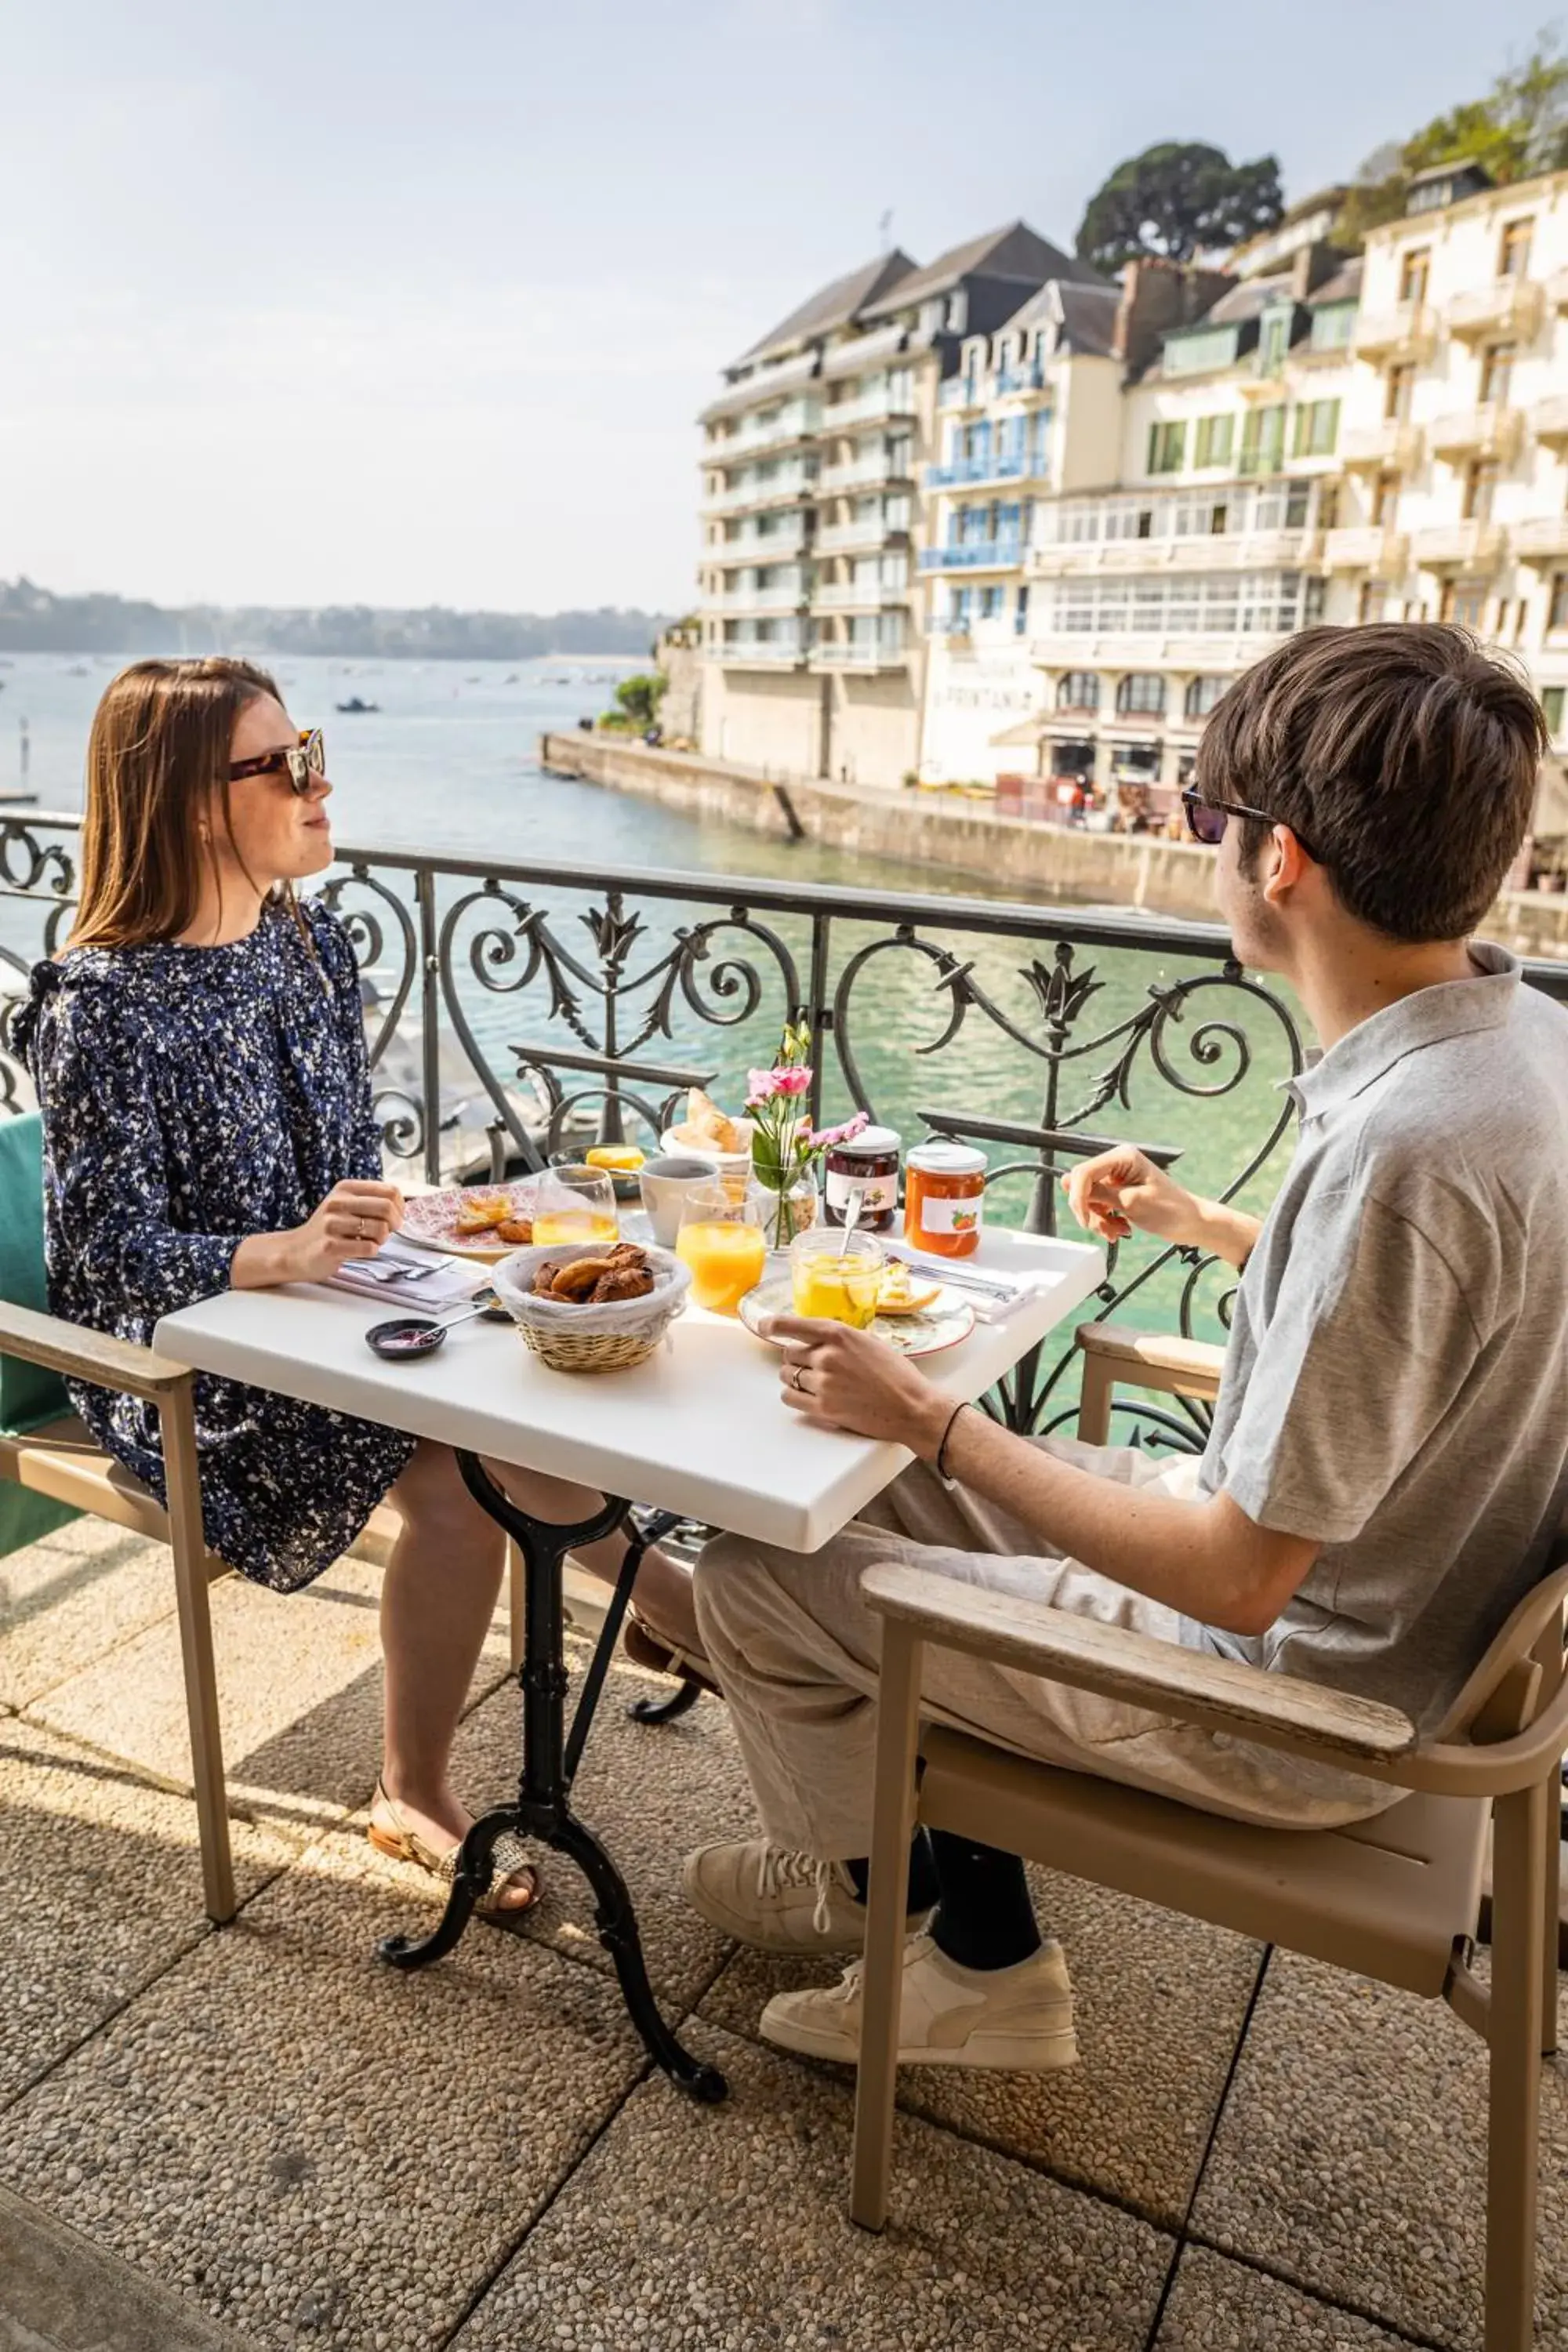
519	1231
576	1281
622	1282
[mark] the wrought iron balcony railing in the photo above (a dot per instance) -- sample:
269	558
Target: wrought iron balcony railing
514	1009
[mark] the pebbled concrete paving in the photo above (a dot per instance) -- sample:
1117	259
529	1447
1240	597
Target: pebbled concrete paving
58	2293
695	2227
262	2138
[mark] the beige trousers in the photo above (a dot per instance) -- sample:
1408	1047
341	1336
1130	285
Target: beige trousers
797	1651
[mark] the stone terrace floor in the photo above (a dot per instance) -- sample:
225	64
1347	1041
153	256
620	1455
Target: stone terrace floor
260	2137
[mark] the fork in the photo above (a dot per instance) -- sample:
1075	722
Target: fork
397	1272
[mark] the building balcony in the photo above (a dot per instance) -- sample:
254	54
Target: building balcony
1511	309
760	653
798	423
954	628
1543	541
1011	466
1022	379
1549	419
860	656
857	596
760	600
985	556
1406	332
782	490
1367	547
961	391
758	546
1267	391
1489	430
871	408
1391	447
1143	649
1472	546
844	538
863	473
1257	550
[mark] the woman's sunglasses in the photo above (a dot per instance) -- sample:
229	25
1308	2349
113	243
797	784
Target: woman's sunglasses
1206	820
302	763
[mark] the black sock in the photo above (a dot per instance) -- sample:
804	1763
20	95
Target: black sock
984	1918
923	1887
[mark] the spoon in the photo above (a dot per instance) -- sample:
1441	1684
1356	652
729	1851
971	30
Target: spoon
420	1334
852	1217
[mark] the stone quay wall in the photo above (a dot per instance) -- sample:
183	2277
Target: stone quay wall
963	836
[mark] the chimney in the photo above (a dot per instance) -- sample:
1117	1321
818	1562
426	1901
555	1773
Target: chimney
1311	267
1157	297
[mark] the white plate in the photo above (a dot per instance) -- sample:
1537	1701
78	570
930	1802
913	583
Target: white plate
925	1333
429	1220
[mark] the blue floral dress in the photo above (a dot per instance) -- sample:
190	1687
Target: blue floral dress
192	1096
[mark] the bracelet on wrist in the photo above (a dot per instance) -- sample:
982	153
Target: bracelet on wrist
941	1458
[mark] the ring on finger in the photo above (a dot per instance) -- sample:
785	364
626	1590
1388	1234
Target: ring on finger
795	1379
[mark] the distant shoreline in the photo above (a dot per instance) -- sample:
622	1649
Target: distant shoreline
34	620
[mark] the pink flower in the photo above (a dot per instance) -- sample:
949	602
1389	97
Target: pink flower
823	1139
760	1088
791	1078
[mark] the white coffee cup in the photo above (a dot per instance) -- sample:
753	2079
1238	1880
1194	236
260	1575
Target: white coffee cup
664	1184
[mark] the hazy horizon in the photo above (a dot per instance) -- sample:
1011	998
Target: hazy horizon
371	308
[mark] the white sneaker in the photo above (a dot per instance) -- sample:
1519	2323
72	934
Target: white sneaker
779	1901
1019	2018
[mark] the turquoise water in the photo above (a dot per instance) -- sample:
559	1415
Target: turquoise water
447	766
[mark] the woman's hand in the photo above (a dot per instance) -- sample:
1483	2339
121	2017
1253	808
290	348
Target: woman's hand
1122	1190
353	1220
840	1379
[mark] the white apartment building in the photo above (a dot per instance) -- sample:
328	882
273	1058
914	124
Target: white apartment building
1455	505
813	640
1033	409
1149	598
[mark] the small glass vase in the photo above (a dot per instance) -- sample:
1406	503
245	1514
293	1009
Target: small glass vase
793	1210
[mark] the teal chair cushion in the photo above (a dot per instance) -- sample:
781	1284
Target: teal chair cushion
29	1395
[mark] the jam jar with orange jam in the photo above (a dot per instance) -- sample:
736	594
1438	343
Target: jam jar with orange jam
944	1199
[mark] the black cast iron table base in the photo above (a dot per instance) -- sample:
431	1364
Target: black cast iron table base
551	1755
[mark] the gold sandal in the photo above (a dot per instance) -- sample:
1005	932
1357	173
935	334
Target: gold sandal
400	1843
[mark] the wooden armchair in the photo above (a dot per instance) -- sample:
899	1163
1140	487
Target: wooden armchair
61	1461
1395	1897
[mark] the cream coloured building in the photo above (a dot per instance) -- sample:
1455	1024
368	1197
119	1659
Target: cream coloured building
814	647
1455	503
1148	598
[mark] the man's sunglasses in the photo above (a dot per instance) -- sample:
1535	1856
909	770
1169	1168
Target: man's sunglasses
1206	820
303	763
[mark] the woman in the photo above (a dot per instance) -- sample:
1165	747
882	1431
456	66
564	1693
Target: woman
198	1051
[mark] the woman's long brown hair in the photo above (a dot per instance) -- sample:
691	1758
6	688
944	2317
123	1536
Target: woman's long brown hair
160	742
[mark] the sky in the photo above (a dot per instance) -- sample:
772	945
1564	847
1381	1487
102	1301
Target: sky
365	302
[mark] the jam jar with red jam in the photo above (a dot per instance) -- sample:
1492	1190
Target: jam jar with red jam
867	1163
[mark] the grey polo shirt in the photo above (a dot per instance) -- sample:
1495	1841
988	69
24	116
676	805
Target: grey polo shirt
1396	1380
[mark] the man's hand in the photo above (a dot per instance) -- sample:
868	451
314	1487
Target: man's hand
840	1379
1120	1190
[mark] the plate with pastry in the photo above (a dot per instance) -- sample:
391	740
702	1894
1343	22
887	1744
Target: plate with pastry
908	1330
706	1132
483	1221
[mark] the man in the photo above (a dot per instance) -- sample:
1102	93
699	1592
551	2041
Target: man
1388	1452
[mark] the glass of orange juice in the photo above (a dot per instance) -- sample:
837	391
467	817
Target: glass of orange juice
836	1277
722	1241
575	1204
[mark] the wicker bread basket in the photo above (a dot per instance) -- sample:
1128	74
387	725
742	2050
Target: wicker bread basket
608	1337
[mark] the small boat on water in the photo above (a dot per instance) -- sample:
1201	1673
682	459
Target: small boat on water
355	707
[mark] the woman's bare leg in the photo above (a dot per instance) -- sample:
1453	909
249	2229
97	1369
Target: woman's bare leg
437	1599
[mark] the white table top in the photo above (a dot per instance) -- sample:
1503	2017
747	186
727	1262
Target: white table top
699	1429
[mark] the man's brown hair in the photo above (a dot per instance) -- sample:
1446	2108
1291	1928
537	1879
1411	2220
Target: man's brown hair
1405	757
